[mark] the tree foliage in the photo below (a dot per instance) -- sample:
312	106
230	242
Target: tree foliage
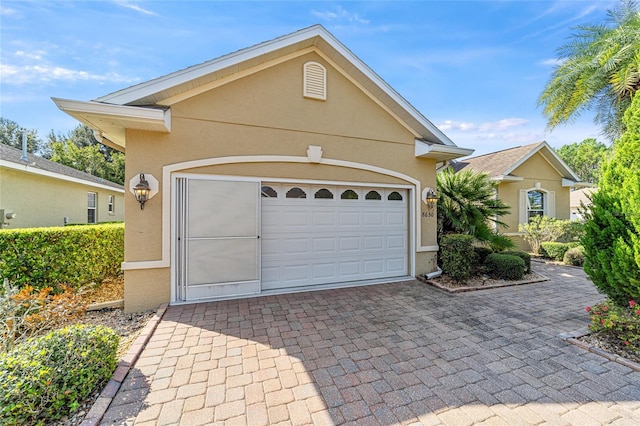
585	158
612	231
467	205
11	134
599	69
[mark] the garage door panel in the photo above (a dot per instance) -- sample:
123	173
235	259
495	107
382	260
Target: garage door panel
346	240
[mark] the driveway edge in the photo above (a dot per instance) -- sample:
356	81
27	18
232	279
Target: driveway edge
100	406
476	288
573	338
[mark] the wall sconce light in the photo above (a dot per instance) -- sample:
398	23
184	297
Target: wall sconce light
142	191
429	197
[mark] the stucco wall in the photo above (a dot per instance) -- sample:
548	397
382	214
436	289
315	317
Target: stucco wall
40	201
535	169
266	114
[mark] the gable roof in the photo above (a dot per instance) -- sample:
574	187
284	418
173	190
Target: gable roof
580	197
501	164
11	157
146	106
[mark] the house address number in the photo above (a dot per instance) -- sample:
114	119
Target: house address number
427	214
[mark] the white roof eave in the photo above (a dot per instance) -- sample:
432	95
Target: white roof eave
440	152
112	120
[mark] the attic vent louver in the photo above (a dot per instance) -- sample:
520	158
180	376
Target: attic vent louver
315	81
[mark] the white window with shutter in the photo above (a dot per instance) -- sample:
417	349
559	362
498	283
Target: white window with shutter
536	202
315	81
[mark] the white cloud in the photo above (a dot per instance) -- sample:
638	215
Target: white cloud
339	14
456	125
25	74
6	11
135	7
552	62
505	123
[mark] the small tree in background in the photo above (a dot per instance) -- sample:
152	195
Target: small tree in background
612	231
585	158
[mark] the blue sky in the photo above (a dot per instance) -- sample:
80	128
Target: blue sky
474	68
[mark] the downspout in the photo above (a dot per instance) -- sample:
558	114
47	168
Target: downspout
435	274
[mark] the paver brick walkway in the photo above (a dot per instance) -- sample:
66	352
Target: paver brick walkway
402	353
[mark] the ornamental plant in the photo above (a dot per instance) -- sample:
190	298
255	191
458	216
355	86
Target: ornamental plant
620	323
28	312
47	377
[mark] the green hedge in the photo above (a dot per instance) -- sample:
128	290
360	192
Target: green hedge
555	250
48	377
524	256
456	252
574	256
505	266
480	255
73	255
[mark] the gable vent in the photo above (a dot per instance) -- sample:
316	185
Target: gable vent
315	81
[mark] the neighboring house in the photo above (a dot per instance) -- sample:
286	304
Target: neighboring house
579	201
532	179
41	193
283	167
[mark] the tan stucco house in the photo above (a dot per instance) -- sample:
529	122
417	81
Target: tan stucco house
36	192
532	180
287	166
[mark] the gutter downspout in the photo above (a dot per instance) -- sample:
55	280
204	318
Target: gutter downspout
435	274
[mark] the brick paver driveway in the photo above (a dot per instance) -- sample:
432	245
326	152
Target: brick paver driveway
388	354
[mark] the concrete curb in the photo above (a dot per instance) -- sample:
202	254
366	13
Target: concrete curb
573	338
100	406
486	287
113	304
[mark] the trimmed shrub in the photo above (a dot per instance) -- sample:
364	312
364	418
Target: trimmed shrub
505	266
480	254
456	252
574	256
554	250
524	256
47	377
49	257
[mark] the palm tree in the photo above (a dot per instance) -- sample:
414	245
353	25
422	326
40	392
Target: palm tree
599	70
467	205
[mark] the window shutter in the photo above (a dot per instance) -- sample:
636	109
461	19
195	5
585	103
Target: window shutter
315	81
551	204
522	210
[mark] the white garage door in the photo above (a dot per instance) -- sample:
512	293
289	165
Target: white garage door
314	234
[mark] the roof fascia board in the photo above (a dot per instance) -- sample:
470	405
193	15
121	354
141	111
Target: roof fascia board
36	171
160	84
563	165
575	184
233	77
440	152
168	81
508	179
131	113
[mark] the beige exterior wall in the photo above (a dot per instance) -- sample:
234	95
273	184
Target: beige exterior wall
265	114
40	201
535	169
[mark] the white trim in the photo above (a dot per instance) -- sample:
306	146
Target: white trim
36	171
567	169
168	178
138	114
440	152
158	85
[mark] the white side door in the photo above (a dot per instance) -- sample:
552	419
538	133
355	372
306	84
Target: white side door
218	231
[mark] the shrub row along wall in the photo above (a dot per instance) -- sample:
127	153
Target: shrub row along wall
72	255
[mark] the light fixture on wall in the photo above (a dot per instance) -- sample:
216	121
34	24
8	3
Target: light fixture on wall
142	191
429	197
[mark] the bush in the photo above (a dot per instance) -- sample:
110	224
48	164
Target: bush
49	257
574	256
555	250
526	257
620	323
456	252
480	254
540	229
47	377
505	266
27	312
